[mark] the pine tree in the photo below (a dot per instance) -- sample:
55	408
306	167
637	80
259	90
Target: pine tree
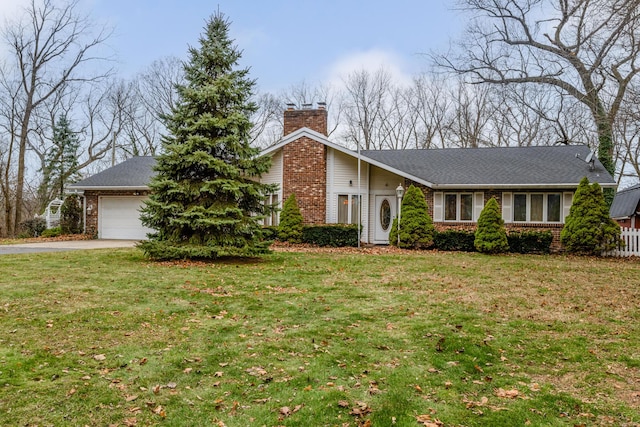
491	235
291	222
588	229
61	161
416	225
206	201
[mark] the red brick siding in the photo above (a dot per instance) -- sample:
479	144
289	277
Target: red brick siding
315	120
305	175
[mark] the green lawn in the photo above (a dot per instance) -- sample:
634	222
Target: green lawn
323	338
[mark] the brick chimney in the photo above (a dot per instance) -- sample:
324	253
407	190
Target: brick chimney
314	119
305	162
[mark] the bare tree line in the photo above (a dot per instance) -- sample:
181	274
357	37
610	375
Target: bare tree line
560	74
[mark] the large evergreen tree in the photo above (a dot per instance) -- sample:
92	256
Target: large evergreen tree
61	161
416	225
206	201
588	229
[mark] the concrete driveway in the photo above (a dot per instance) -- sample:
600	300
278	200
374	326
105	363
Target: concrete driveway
72	245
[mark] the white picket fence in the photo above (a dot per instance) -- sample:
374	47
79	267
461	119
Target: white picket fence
631	247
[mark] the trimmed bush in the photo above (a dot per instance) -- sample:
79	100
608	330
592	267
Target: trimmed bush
52	232
530	242
588	229
32	227
71	215
291	222
416	225
331	235
455	240
491	235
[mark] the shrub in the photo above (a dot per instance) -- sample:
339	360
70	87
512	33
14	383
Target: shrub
269	232
455	240
416	225
71	215
290	228
588	229
32	227
530	242
491	235
331	235
52	232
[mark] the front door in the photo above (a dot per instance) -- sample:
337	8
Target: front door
384	214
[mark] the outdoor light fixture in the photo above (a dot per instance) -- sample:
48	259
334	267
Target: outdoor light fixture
399	194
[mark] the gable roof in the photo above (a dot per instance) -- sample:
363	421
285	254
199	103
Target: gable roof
134	173
625	203
524	167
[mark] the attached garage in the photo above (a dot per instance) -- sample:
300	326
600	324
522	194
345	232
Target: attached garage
119	218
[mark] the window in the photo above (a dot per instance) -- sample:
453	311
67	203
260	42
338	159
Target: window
274	201
348	208
458	207
536	207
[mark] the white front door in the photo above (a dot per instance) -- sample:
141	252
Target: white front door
383	217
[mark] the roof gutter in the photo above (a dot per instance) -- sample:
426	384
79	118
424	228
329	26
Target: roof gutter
512	186
112	188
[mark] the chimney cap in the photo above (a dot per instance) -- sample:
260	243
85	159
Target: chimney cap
306	106
291	106
322	105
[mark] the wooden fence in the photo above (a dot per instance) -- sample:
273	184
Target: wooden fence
631	247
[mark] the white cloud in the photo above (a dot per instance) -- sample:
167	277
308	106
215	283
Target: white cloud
372	61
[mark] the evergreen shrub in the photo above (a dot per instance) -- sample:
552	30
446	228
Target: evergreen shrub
530	242
331	235
52	232
491	235
291	222
588	229
455	240
416	225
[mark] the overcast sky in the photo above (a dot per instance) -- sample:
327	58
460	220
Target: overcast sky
284	42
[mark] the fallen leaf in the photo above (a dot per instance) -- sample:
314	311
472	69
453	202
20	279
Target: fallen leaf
187	370
506	394
131	398
100	357
71	392
285	411
143	361
156	389
159	410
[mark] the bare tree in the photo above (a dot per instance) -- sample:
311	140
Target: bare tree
366	97
50	47
588	49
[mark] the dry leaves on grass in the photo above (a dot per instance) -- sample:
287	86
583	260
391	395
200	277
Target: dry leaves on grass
426	421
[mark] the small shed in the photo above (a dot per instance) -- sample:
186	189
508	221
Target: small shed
625	208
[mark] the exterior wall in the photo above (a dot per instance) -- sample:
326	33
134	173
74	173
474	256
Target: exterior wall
629	222
381	183
342	178
555	228
91	206
305	174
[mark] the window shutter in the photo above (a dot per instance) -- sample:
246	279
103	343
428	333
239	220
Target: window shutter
478	205
567	201
507	210
437	207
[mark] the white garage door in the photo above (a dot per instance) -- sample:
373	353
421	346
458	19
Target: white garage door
119	218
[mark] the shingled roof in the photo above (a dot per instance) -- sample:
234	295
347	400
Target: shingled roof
539	166
134	173
625	204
